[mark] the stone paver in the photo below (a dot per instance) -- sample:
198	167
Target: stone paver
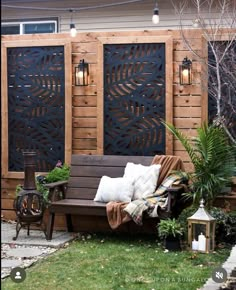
7	263
26	253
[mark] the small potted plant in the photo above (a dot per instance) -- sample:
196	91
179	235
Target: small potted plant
170	231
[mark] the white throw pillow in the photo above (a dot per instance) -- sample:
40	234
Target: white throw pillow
114	189
133	171
144	177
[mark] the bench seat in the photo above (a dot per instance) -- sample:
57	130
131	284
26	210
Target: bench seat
79	207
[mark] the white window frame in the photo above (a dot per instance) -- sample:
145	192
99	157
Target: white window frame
22	23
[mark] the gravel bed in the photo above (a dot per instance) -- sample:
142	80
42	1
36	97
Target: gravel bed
24	261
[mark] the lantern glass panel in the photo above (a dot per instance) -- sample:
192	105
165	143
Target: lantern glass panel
197	229
185	75
185	72
81	74
212	236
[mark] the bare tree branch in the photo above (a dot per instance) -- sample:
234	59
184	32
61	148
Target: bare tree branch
216	21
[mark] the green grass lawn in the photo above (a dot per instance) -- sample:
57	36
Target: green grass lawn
119	262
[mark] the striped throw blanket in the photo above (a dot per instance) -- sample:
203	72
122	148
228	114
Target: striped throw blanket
150	204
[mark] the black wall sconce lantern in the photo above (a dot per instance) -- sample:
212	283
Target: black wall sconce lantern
185	72
81	74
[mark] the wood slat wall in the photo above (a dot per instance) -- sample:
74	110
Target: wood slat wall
187	100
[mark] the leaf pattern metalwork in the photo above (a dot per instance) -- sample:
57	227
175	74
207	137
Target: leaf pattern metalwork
36	105
134	99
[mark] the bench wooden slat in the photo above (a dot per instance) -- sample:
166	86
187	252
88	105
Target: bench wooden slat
81	193
79	207
84	181
80	202
97	171
109	160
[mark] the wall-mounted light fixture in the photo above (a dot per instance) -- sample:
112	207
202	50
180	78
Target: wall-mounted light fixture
185	72
73	31
81	73
155	17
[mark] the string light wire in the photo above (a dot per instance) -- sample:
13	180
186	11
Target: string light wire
74	9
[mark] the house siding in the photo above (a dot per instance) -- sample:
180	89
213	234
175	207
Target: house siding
133	16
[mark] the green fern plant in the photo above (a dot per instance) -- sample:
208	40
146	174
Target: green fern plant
169	228
213	159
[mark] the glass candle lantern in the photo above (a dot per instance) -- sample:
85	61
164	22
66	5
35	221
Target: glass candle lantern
201	231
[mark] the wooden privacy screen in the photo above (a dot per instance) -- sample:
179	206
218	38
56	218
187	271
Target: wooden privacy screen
134	99
136	94
36	106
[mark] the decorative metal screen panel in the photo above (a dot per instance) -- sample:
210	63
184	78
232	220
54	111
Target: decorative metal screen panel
36	105
134	99
228	85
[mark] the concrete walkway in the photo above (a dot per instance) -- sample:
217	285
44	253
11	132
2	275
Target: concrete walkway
230	266
26	250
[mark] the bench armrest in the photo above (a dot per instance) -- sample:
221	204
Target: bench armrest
176	188
173	193
54	184
57	190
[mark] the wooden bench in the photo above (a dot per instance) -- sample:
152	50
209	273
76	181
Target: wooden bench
79	192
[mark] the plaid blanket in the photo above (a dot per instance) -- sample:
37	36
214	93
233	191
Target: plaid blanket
135	209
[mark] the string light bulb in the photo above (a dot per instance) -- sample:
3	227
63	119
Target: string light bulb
73	31
155	17
196	22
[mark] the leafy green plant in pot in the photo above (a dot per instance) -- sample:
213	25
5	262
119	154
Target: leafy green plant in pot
60	172
170	231
213	159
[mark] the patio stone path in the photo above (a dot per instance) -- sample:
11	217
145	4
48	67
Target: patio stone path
27	250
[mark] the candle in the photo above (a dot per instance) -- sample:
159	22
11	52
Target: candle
195	245
201	243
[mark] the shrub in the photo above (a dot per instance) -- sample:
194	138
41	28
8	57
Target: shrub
225	225
59	173
182	219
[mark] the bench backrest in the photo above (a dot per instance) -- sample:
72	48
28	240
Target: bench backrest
87	170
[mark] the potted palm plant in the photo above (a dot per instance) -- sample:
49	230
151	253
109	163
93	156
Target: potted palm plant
170	231
213	159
